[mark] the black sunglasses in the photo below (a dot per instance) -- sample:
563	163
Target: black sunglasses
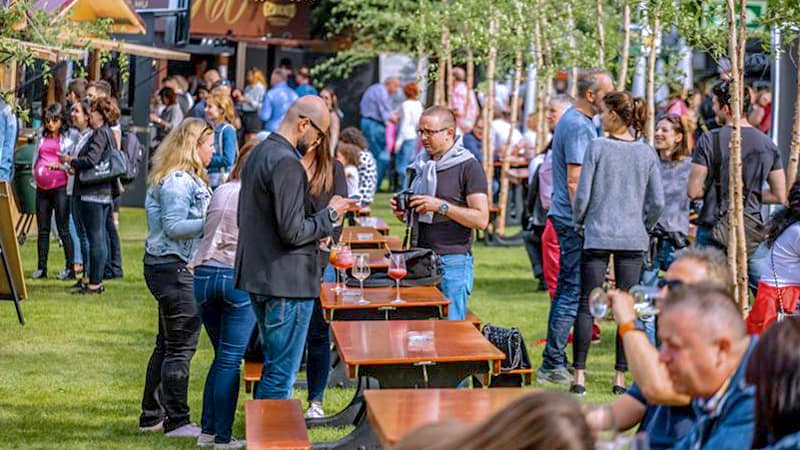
319	130
670	284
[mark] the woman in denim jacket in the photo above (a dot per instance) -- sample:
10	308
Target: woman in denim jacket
226	312
176	206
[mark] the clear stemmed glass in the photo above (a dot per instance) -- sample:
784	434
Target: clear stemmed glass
345	261
361	272
644	306
397	271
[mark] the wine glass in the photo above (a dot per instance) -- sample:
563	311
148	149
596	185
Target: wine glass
361	272
645	306
345	261
599	303
397	271
332	259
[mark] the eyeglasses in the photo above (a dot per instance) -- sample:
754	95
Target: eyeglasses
670	284
423	133
320	134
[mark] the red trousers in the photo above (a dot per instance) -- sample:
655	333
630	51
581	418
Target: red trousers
550	257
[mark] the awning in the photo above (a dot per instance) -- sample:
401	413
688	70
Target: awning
198	49
45	52
136	49
126	20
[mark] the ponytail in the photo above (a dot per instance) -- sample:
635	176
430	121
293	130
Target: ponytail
639	115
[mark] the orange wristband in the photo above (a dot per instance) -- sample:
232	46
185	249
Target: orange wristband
626	327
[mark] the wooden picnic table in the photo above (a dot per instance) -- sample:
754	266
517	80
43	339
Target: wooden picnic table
404	354
393	413
368	237
421	302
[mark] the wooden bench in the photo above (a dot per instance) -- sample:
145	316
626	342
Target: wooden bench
516	377
252	374
275	424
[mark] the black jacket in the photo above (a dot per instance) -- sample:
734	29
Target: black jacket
279	231
92	153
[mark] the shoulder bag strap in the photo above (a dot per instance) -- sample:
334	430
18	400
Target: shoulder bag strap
718	172
781	311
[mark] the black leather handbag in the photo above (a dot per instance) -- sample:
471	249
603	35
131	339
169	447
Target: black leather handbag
111	166
422	265
510	342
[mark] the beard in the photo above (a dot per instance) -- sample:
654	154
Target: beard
304	144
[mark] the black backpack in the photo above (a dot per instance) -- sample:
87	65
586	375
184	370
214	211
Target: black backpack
134	150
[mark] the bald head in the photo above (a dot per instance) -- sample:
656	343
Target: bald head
311	107
306	122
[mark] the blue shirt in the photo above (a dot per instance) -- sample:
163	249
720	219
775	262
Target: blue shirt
225	148
572	135
306	89
664	425
276	103
473	144
726	423
376	104
8	141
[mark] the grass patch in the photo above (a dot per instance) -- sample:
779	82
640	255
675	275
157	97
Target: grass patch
73	376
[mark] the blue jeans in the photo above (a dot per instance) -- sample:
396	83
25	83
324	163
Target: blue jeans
661	261
318	360
457	282
228	319
703	239
703	236
81	241
375	133
564	307
93	218
402	159
283	324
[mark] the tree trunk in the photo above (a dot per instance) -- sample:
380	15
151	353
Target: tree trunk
488	110
449	89
573	89
794	152
601	34
507	155
541	88
470	81
420	62
626	46
651	75
737	256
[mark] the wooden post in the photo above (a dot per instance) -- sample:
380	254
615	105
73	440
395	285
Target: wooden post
470	80
794	150
8	75
501	223
651	75
488	110
94	65
241	63
622	81
541	87
601	33
573	88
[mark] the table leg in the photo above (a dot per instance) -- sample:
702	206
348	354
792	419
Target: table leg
362	437
348	415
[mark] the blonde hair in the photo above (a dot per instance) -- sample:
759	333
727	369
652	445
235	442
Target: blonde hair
178	151
223	103
258	76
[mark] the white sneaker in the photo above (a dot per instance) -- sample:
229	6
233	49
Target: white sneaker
315	411
233	443
189	430
152	428
205	440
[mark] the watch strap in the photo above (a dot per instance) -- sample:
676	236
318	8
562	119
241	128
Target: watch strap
626	327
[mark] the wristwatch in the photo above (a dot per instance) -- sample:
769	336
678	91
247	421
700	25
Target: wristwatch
333	215
443	208
633	325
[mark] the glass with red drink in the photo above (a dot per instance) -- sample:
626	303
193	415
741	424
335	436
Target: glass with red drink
397	271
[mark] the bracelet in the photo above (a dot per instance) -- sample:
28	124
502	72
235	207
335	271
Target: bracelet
626	328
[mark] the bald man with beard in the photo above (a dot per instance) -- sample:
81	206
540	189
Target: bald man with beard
279	234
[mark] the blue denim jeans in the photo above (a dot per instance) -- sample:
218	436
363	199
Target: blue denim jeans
661	261
564	307
457	282
703	239
402	159
375	133
318	360
283	324
228	319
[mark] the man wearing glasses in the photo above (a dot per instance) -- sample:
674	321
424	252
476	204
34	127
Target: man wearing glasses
450	200
279	233
651	401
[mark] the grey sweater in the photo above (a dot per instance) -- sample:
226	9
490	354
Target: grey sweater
619	196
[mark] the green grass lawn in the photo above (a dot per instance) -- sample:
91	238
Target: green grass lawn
72	378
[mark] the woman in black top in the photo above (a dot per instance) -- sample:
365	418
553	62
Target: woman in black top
95	199
326	179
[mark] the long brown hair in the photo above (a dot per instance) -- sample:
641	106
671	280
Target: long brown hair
240	158
320	171
543	420
677	126
772	368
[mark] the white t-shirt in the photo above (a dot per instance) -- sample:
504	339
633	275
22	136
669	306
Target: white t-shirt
351	174
500	130
786	254
409	112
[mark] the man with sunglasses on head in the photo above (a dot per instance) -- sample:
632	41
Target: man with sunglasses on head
449	197
651	402
277	260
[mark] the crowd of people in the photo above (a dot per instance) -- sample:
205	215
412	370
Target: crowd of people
277	167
